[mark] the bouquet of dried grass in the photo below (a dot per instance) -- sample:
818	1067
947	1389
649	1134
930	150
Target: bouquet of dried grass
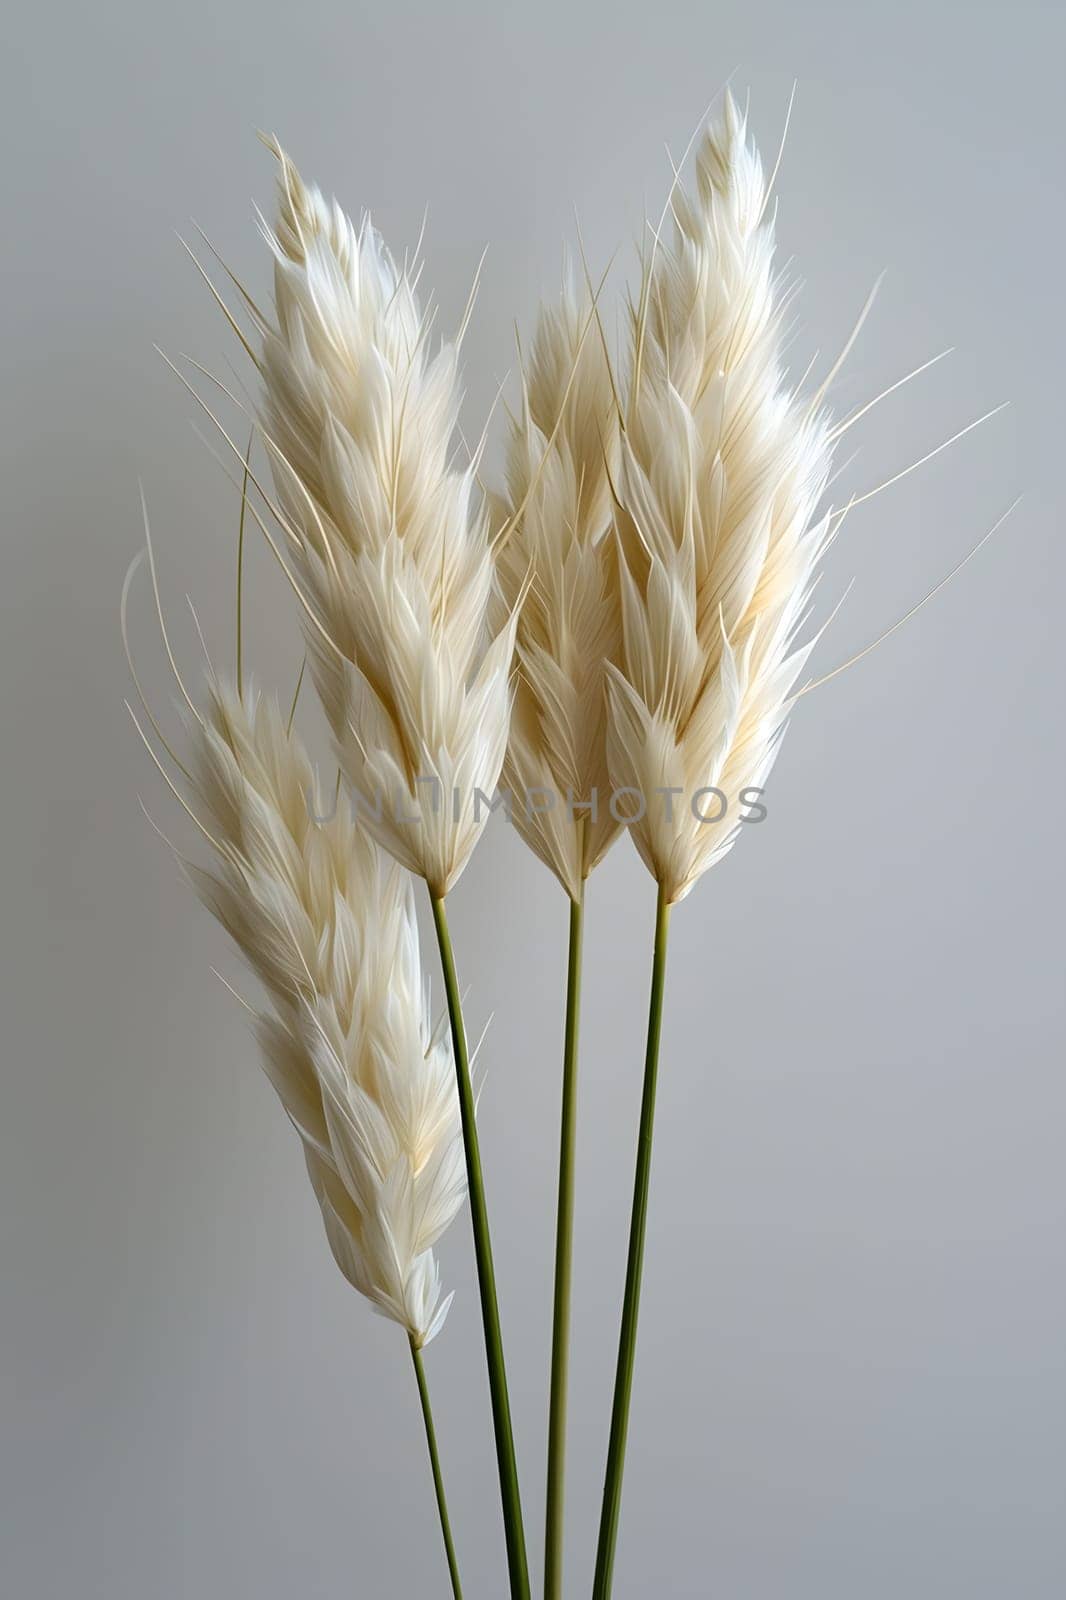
617	634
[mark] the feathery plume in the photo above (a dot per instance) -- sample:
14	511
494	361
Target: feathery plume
562	451
721	474
329	929
557	566
398	572
392	545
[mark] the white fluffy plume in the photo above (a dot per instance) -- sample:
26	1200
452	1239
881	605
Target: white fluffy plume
393	546
722	472
562	450
329	928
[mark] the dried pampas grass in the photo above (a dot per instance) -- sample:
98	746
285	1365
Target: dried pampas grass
393	544
329	929
562	450
719	533
327	925
628	618
723	471
558	569
397	571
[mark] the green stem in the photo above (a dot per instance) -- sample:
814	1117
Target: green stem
438	1478
627	1342
490	1314
564	1243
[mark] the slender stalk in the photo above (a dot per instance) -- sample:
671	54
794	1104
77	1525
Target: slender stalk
438	1477
564	1243
517	1565
627	1342
240	569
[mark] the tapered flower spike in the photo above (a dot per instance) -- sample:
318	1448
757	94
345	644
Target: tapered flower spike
393	545
329	929
397	571
562	451
722	472
721	475
558	552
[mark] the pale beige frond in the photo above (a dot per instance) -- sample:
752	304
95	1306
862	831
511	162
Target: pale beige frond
717	524
360	417
328	926
560	563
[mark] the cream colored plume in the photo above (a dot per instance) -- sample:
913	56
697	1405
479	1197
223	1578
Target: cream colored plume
330	930
721	476
562	450
392	541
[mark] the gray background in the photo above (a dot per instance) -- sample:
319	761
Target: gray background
850	1381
